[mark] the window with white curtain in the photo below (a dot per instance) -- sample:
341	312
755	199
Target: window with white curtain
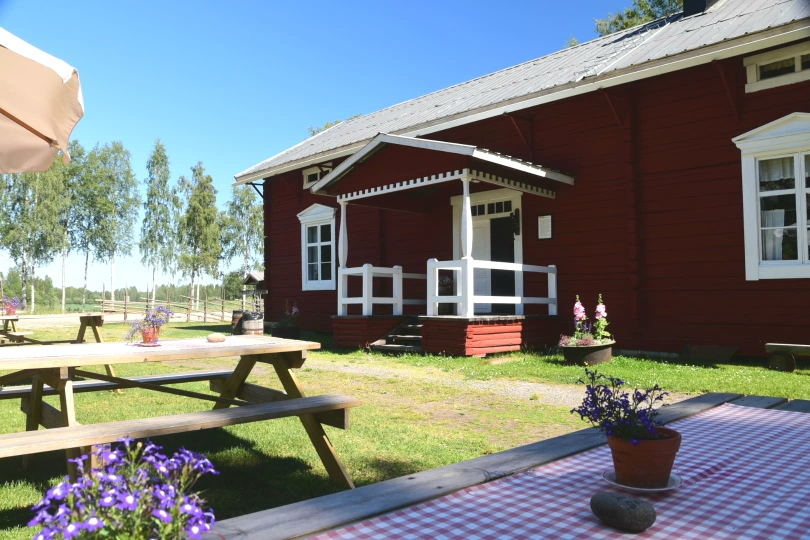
776	197
317	248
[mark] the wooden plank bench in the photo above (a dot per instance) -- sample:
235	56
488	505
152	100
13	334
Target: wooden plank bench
781	355
14	337
11	392
78	436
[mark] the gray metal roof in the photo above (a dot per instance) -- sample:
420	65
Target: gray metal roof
726	20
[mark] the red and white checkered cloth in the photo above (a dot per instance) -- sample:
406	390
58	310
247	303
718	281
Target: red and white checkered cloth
745	471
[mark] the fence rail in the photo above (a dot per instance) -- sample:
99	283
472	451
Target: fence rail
368	272
206	310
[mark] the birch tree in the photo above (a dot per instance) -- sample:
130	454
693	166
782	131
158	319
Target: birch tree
243	228
158	233
29	229
199	227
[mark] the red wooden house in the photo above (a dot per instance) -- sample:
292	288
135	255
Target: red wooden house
675	180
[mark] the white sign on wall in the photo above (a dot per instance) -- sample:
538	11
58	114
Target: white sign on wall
544	227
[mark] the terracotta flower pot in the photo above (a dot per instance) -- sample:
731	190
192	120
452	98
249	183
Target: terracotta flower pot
150	335
588	355
647	464
10	310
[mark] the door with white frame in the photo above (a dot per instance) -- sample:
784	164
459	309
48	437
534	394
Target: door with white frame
496	237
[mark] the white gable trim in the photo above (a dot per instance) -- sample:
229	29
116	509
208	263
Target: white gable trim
440	146
316	212
787	132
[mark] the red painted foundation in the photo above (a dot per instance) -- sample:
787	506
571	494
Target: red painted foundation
358	331
479	336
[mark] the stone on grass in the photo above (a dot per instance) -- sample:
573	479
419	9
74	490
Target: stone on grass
216	337
623	512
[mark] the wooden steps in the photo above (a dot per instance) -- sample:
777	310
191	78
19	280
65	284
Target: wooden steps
63	438
405	338
11	392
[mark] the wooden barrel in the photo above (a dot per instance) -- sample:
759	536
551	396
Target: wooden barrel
253	327
236	322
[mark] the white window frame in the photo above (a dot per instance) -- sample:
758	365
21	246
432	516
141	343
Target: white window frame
786	137
752	64
322	169
315	216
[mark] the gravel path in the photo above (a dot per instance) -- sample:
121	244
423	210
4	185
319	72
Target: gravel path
567	395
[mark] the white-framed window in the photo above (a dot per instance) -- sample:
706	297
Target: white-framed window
314	174
787	65
318	267
776	198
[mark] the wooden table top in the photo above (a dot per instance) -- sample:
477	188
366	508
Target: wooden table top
9	317
94	354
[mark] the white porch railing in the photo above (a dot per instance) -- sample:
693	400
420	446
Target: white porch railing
367	299
465	297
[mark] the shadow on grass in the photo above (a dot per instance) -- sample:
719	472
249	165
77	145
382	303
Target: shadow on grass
249	479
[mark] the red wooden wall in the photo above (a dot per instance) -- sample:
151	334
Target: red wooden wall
653	222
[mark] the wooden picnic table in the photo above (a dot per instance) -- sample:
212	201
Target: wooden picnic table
55	370
92	321
742	460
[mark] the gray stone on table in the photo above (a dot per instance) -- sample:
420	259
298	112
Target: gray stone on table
623	512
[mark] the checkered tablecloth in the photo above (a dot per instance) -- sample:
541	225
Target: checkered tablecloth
745	471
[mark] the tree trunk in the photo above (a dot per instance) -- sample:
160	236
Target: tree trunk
191	290
64	263
33	292
24	279
86	265
154	287
199	279
112	278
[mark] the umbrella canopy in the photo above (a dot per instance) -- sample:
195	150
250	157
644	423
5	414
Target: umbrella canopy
40	104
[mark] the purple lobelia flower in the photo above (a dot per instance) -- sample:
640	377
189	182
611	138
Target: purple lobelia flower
137	493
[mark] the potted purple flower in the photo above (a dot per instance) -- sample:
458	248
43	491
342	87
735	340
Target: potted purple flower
591	343
10	305
149	327
287	324
643	450
136	493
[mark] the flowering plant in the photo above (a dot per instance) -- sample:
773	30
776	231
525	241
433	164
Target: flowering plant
618	413
153	318
14	302
288	317
136	494
585	333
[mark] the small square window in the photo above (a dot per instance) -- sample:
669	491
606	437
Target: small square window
474	210
491	208
499	207
326	233
507	206
312	235
775	69
805	61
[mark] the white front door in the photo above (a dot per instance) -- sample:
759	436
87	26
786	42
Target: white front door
482	282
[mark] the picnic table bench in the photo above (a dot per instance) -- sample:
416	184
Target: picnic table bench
55	369
417	492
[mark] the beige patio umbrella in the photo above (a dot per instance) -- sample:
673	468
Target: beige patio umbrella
40	104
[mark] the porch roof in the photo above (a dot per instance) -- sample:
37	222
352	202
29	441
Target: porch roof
474	158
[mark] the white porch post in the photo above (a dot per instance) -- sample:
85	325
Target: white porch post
368	282
343	252
552	289
467	271
397	290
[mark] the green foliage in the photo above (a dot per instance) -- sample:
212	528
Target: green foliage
158	240
571	41
29	223
199	225
642	11
315	130
242	228
233	285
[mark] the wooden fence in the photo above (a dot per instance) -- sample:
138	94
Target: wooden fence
206	310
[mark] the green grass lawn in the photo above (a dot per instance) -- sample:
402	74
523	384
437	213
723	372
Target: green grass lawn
405	425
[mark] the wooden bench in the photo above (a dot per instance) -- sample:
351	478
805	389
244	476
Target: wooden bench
781	355
80	436
15	337
11	392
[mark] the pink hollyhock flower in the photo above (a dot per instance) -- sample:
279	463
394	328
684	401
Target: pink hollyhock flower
600	311
579	312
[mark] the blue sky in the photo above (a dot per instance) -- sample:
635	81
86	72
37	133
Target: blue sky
232	83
